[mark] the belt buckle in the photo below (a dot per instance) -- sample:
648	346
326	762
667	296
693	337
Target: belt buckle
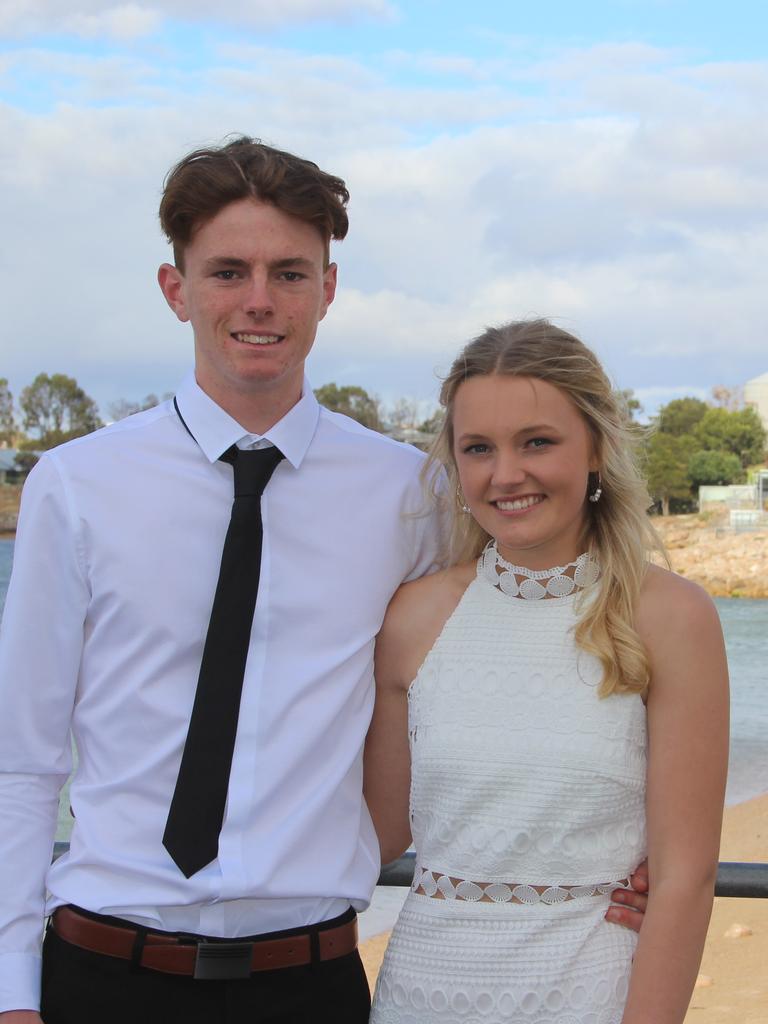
223	961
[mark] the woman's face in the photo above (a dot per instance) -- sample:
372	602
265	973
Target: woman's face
524	454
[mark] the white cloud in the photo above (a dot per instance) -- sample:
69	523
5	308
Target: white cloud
129	21
91	18
87	18
453	65
618	59
268	14
288	65
636	216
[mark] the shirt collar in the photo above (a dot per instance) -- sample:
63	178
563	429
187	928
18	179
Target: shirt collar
215	430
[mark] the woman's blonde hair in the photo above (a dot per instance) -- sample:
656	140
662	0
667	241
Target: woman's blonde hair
618	532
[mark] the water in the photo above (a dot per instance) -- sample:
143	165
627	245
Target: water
6	557
745	624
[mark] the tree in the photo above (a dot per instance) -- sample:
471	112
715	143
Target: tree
58	409
434	424
7	426
24	461
739	432
666	468
122	407
632	405
403	414
680	416
351	400
731	399
710	467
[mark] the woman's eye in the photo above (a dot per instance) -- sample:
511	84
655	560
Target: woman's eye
476	449
539	442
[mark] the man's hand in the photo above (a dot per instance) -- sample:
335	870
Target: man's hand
20	1017
633	901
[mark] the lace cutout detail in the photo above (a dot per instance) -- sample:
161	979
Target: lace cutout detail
536	584
438	886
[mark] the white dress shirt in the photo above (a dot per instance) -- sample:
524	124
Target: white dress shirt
116	561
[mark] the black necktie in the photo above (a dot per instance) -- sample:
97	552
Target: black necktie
197	809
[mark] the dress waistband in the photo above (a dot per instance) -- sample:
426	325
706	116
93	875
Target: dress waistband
448	887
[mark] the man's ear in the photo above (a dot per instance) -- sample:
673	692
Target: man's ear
171	282
329	287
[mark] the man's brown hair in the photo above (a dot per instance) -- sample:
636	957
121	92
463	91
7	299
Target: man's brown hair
207	180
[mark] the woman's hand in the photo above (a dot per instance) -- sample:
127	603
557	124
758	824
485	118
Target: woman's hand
633	901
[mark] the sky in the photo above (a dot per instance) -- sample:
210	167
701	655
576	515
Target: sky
603	164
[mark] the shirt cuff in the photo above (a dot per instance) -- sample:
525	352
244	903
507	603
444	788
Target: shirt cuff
20	981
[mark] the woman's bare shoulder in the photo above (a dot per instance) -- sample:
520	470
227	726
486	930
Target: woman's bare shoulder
431	598
415	618
439	586
671	605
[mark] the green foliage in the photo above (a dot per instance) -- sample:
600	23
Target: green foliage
681	416
712	467
666	467
435	422
631	404
58	409
739	432
351	400
7	426
24	461
697	444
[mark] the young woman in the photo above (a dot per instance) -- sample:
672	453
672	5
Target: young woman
557	708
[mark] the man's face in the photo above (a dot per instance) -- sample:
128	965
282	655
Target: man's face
254	288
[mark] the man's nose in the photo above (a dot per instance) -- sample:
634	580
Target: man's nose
258	297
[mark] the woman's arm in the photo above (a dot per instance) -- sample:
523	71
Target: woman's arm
387	765
688	760
387	776
414	620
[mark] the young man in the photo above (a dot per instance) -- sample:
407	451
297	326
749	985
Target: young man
124	627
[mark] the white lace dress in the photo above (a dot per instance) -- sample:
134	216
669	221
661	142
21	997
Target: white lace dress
527	804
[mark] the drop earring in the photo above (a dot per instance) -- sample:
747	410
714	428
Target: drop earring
596	494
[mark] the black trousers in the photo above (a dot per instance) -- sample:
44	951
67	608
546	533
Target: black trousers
80	987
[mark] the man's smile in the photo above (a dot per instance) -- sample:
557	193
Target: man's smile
257	339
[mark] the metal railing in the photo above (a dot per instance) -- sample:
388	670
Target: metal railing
743	881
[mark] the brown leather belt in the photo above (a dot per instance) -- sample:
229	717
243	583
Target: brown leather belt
203	959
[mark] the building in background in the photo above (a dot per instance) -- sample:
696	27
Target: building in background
756	395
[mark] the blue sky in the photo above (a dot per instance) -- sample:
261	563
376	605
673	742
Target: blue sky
600	163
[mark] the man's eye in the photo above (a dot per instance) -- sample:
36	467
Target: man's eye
291	275
226	275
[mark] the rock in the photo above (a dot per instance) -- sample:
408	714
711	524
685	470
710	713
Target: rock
738	931
703	981
726	564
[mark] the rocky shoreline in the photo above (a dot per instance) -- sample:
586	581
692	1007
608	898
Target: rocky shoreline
10	494
701	548
723	562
